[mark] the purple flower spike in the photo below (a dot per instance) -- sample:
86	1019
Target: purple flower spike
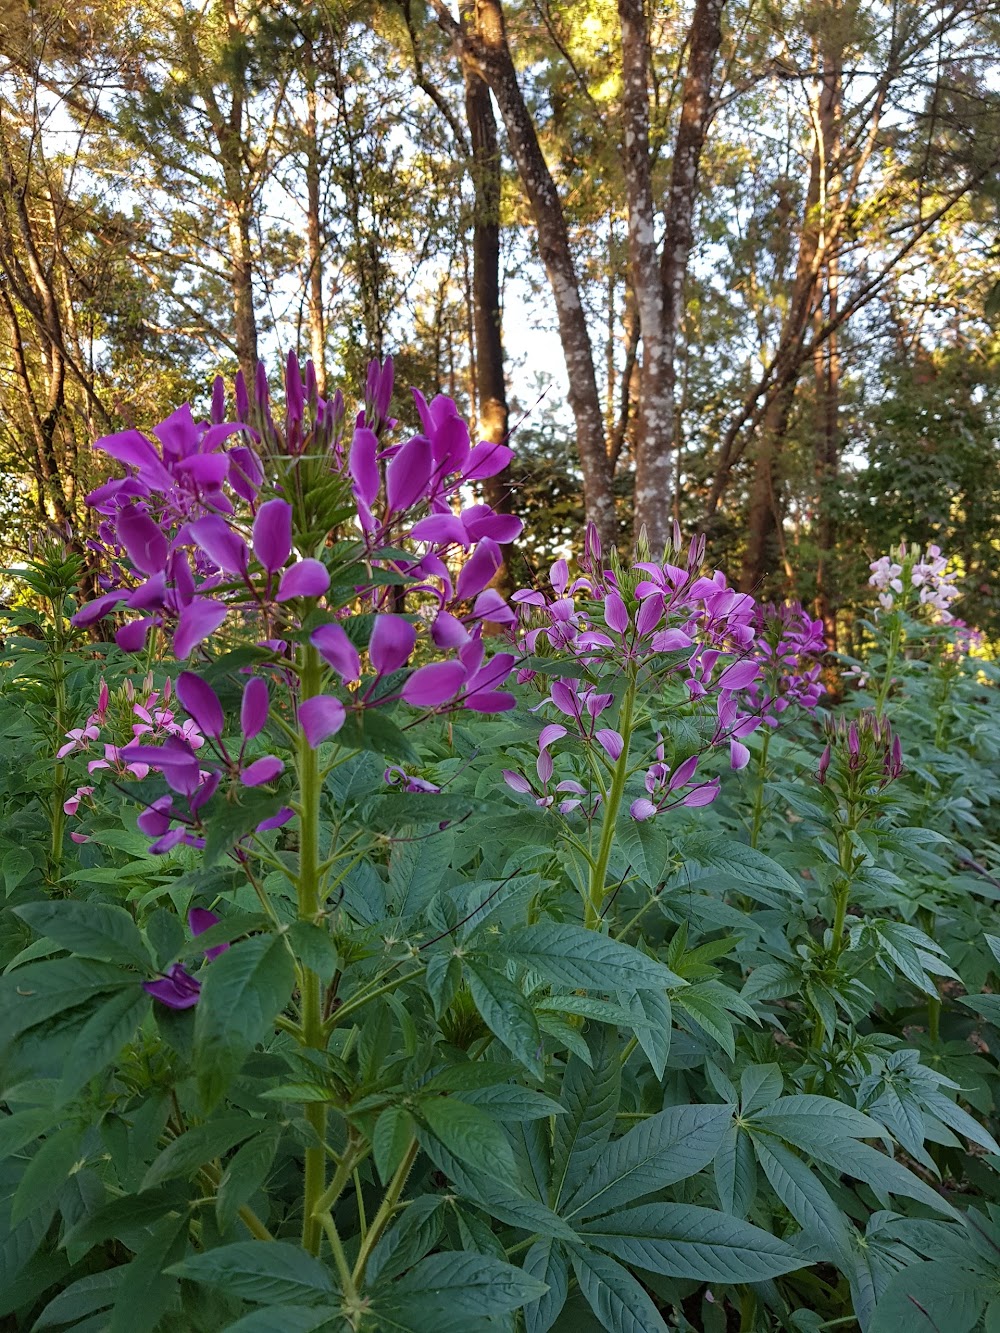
202	702
261	771
177	990
196	622
321	717
337	651
254	709
739	675
434	684
391	643
272	534
306	578
201	919
408	474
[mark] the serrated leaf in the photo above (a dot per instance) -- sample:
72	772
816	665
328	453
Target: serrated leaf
806	1199
657	1152
573	956
110	1027
684	1241
33	994
468	1133
394	1131
90	930
614	1295
409	1239
655	1029
459	1284
244	1174
242	992
507	1014
935	1297
590	1095
273	1273
760	1085
199	1145
547	1262
735	1169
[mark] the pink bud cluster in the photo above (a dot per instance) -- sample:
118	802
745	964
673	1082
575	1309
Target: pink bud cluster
865	749
788	644
908	577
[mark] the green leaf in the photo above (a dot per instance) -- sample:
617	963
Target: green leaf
394	1131
507	1014
125	1216
459	1284
806	1199
509	1103
591	1097
199	1145
243	990
416	869
760	1085
757	875
579	958
90	930
32	994
96	1291
810	1117
313	946
147	1290
272	1273
21	1128
244	1175
547	1262
736	1172
287	1318
110	1027
935	1297
652	1022
681	1240
601	1011
46	1173
408	1240
659	1151
468	1133
614	1295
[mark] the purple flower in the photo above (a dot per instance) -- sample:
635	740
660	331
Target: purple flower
197	621
337	651
272	534
261	770
306	578
254	708
202	702
321	717
391	643
177	988
479	569
434	684
408	474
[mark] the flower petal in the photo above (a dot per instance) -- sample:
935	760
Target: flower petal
306	578
321	717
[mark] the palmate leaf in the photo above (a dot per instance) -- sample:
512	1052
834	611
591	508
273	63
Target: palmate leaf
659	1151
684	1241
110	1027
471	1135
409	1239
806	1199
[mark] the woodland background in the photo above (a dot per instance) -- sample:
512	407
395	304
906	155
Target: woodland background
762	237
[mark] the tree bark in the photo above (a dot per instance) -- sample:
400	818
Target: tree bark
486	47
656	404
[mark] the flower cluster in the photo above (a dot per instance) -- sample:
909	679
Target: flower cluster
906	577
655	625
788	645
863	753
177	988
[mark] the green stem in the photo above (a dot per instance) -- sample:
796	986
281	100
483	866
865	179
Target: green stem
895	640
599	873
386	1209
758	800
309	907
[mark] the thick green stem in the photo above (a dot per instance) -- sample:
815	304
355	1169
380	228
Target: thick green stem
386	1209
309	907
599	873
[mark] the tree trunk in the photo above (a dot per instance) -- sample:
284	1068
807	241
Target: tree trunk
487	48
314	237
656	405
